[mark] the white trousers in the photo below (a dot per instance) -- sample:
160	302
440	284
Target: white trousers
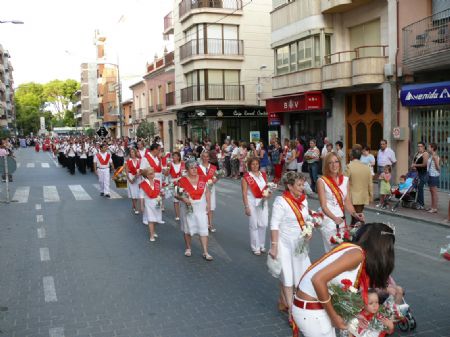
257	238
313	323
103	179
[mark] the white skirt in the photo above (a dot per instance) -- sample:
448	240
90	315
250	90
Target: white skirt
151	212
213	198
197	221
292	266
133	189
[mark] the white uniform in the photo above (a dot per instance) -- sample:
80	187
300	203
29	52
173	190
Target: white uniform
259	216
152	212
133	188
177	168
213	189
197	221
145	164
284	220
103	172
328	228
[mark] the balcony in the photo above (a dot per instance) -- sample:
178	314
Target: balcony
159	107
151	109
303	80
286	13
426	43
337	70
339	6
168	24
214	48
170	98
214	92
215	6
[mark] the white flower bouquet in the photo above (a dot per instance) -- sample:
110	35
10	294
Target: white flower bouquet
181	193
159	201
267	191
305	236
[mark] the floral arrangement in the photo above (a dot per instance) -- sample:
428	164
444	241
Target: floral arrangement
268	189
120	177
219	173
158	201
181	193
210	184
346	300
340	237
445	252
303	245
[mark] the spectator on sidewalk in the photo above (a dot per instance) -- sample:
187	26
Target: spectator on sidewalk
434	171
419	164
367	158
291	158
360	182
300	150
325	150
312	156
385	156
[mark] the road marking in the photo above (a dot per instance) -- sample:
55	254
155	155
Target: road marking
53	159
21	195
38	207
114	195
41	233
79	193
51	194
45	165
30	165
412	251
56	332
39	218
18	165
49	289
45	254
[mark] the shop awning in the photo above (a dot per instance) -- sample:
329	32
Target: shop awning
425	94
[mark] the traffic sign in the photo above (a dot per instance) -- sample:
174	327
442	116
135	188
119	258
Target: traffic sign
11	162
102	132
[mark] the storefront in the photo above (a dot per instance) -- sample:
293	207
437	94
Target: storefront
429	120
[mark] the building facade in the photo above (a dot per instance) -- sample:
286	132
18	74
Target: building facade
223	65
7	109
127	113
89	98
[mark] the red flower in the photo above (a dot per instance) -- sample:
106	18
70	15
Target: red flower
332	240
347	283
347	235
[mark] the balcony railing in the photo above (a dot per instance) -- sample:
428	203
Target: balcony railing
187	5
359	52
212	47
212	92
151	109
170	98
427	36
159	107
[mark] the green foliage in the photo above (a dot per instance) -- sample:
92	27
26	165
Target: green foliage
90	132
59	94
146	130
4	133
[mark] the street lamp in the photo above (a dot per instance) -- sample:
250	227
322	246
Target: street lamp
15	22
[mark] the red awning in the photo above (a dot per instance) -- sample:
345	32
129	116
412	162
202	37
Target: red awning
312	100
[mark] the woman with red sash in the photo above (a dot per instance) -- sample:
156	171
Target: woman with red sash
176	169
194	208
208	172
151	200
289	212
134	178
333	191
367	263
256	206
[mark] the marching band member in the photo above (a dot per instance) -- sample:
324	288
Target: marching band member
150	192
194	209
71	152
61	154
255	205
175	172
82	155
102	163
134	178
142	151
92	151
120	154
207	171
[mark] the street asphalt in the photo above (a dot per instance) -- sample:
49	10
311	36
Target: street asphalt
75	264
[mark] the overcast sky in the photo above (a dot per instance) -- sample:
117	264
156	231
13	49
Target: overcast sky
58	36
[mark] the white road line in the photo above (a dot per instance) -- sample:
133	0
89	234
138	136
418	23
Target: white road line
38	207
53	159
49	289
45	165
114	195
45	254
18	165
30	165
39	218
21	195
79	193
41	233
412	251
56	332
51	194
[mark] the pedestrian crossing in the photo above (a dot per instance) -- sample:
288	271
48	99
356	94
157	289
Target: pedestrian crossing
33	165
55	194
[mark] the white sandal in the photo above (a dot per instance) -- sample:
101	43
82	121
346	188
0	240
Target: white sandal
187	253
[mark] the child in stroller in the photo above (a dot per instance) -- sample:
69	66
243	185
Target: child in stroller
405	191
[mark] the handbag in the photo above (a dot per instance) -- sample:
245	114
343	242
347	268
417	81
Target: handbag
274	266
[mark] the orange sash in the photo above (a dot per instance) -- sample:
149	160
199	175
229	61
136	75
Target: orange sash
156	167
331	183
103	161
296	208
209	174
253	185
195	194
152	193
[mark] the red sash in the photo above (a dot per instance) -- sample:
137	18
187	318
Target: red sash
157	168
164	159
195	194
174	174
103	161
331	183
139	153
209	174
296	206
152	193
257	192
131	168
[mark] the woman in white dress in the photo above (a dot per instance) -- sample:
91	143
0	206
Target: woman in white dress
151	200
208	172
132	169
194	208
176	169
334	198
256	206
289	212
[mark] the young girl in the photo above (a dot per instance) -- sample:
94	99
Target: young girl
150	198
176	171
134	178
385	187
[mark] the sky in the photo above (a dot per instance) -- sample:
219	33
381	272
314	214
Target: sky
58	36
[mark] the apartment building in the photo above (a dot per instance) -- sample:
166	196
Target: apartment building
154	95
127	112
77	114
7	110
223	65
424	73
331	61
89	98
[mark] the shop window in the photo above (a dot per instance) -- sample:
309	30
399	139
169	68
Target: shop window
349	104
361	134
376	102
361	103
376	135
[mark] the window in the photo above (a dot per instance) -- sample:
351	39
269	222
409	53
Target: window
305	53
293	49
282	60
160	93
366	34
150	97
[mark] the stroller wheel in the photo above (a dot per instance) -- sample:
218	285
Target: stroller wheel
412	322
403	325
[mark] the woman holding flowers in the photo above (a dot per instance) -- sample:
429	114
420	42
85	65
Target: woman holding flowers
333	191
151	200
208	172
134	178
290	235
255	194
176	169
365	264
195	206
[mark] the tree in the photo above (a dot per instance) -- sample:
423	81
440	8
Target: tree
146	130
60	95
90	132
30	104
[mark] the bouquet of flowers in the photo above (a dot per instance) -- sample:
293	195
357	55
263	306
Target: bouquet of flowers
303	245
445	251
268	189
210	184
167	189
316	218
158	201
339	237
181	193
120	177
346	300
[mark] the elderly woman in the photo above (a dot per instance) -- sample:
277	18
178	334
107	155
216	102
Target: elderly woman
255	204
289	212
334	198
194	208
132	168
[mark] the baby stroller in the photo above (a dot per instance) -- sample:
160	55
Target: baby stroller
408	322
406	193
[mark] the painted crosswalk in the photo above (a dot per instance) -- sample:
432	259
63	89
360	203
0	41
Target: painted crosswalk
79	192
45	165
113	194
30	165
51	194
21	195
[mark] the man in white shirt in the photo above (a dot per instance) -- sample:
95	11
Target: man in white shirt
102	163
385	156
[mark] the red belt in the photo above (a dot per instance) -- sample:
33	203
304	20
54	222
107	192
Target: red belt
307	305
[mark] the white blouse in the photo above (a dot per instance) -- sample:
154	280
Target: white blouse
284	219
332	202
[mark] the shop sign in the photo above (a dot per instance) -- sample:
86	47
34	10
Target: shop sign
274	119
301	102
425	94
226	113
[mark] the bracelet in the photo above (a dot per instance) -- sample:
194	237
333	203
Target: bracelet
246	206
323	302
274	243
